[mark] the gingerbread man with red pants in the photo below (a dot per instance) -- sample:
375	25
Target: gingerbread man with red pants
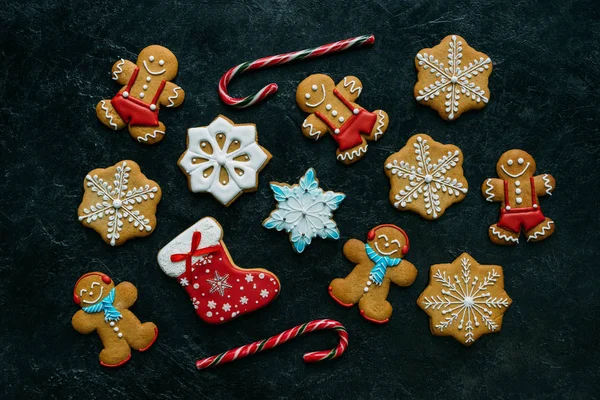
378	262
105	310
518	191
147	87
332	109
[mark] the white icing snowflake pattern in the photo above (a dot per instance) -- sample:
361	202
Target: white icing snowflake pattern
219	284
453	81
427	179
211	304
465	297
118	203
223	159
264	293
226	307
184	282
304	211
196	303
243	300
249	278
204	260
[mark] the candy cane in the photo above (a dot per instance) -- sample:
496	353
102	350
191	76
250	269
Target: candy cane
271	88
283	337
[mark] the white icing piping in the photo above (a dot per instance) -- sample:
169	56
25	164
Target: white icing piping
383	252
310	132
542	232
352	154
380	123
149	135
547	184
108	117
353	86
515	175
488	192
503	237
153	73
175	95
313	105
97	298
119	69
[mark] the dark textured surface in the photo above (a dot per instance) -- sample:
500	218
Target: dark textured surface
55	61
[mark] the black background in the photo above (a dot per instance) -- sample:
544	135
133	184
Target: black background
55	61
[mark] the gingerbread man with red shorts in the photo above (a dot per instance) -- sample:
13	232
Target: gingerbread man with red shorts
332	109
147	86
518	191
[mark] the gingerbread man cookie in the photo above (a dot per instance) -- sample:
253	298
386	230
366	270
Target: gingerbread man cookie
518	191
105	309
332	109
379	262
147	86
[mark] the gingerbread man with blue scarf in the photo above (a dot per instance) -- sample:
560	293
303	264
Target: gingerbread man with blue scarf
104	308
379	262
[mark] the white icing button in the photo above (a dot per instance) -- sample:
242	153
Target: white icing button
126	94
337	131
116	329
314	88
153	107
517	183
508	207
209	314
142	95
328	107
518	191
307	95
519	200
120	335
520	161
535	206
148	79
196	286
366	289
355	111
369	283
161	62
334	113
112	323
145	87
151	58
261	276
510	162
341	119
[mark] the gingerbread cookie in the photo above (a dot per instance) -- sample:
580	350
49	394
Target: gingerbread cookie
147	86
105	309
379	262
421	184
219	289
223	159
448	87
304	211
332	109
119	202
518	190
465	299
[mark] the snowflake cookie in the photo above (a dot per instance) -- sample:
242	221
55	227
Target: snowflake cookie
426	177
119	202
453	77
465	299
304	210
223	159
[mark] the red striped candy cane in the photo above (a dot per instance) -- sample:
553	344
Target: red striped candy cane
283	337
271	88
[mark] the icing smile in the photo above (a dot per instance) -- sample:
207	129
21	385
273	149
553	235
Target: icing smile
162	71
97	298
514	175
383	252
320	102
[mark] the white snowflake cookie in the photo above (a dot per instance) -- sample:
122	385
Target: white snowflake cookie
453	77
465	299
426	177
119	202
304	211
223	159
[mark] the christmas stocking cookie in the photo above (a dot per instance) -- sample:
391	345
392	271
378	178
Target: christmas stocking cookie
219	289
518	189
379	262
332	109
147	86
105	309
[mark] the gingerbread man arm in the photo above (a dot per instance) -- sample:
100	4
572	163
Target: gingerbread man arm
313	127
404	274
354	250
172	95
83	323
126	295
122	71
493	189
350	87
544	184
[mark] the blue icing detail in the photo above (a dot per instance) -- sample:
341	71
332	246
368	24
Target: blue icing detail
106	305
382	263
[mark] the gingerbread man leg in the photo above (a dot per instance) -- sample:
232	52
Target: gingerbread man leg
139	336
116	352
503	236
374	305
380	126
540	232
148	134
109	116
354	154
348	291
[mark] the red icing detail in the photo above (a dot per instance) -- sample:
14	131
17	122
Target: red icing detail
116	365
76	299
152	342
405	248
239	291
377	321
338	300
353	127
106	279
134	111
525	217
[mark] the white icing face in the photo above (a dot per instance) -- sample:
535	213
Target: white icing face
315	95
156	72
515	164
91	290
387	242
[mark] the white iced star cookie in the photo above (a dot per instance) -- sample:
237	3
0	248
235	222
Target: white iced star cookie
304	211
223	159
